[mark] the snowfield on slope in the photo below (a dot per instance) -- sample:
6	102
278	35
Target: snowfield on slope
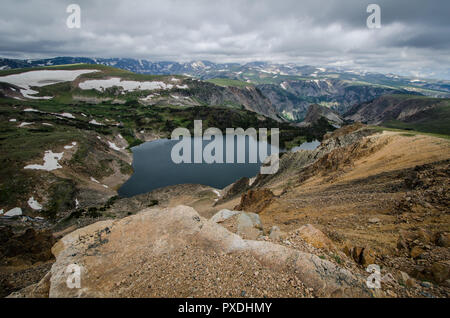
128	86
35	205
113	146
50	162
14	212
41	78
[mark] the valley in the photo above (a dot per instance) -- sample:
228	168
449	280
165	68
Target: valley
374	191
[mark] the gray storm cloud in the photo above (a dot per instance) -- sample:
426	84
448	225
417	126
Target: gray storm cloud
413	39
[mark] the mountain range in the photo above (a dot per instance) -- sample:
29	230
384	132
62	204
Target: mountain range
290	88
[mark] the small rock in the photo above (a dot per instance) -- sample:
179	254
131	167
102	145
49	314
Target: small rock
391	294
276	234
356	254
440	271
443	239
416	252
426	284
368	257
408	281
374	220
447	283
347	249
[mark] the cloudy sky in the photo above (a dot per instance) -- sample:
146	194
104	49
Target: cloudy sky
414	38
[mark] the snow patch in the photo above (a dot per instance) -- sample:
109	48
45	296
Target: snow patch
26	80
128	86
114	146
25	124
94	122
216	192
67	115
13	120
94	180
149	97
50	162
70	146
14	212
34	204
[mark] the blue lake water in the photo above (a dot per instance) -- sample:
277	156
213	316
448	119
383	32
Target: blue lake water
307	146
154	168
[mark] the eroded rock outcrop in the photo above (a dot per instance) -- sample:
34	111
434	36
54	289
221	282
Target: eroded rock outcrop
255	200
175	252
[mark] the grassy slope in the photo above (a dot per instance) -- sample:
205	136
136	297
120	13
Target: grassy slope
409	133
434	121
20	146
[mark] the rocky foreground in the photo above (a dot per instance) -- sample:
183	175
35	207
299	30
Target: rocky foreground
176	253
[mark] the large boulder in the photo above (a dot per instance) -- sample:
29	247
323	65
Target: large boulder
276	234
223	215
364	256
246	225
249	226
175	252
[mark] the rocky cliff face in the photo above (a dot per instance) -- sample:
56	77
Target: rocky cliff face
294	97
393	107
315	112
248	97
